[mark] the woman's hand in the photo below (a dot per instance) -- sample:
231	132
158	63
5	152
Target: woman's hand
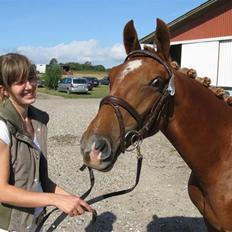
72	205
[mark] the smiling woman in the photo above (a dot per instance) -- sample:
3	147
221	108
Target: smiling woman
25	188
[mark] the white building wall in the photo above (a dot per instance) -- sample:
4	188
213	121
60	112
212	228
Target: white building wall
225	64
41	68
203	57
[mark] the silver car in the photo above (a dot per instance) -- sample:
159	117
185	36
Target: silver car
73	85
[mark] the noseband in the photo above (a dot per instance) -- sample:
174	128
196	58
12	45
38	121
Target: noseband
116	103
161	106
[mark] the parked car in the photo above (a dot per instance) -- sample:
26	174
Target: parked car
89	83
40	83
73	85
104	81
94	80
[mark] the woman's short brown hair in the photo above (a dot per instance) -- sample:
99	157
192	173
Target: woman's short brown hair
15	68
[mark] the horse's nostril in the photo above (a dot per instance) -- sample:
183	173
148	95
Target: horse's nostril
103	146
100	145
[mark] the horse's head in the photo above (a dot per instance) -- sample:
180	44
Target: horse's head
137	101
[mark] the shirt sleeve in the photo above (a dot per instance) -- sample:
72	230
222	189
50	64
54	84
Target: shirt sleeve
4	133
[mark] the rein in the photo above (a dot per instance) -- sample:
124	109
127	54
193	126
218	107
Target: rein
160	107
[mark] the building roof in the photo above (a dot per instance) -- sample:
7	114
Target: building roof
187	17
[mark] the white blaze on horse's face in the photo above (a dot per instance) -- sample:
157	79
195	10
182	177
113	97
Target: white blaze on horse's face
130	67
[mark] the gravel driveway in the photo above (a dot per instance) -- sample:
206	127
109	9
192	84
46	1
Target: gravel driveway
159	203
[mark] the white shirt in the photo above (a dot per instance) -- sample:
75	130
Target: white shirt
4	133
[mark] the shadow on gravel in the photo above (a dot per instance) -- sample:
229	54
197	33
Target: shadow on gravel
176	224
104	223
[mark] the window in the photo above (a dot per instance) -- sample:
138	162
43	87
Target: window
64	81
79	81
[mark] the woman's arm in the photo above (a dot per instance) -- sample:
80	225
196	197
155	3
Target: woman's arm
12	195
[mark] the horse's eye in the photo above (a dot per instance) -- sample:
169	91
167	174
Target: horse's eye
157	83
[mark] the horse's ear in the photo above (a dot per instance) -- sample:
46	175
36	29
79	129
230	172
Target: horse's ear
130	37
162	39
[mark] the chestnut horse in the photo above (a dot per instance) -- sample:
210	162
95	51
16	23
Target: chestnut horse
147	95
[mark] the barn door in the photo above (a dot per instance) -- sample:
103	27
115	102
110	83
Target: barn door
203	57
225	64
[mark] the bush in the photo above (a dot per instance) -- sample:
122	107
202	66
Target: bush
53	75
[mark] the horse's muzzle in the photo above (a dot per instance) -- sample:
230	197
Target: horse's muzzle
97	153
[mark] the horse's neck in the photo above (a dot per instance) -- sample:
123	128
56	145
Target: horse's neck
197	127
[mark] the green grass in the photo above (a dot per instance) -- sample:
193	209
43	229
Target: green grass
97	92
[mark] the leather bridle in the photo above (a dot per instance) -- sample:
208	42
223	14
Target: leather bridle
116	103
160	108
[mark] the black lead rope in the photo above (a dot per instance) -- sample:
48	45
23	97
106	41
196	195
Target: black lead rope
105	196
63	215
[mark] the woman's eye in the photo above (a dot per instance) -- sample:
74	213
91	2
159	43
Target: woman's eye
32	78
21	82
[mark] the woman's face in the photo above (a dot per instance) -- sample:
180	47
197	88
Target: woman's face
23	93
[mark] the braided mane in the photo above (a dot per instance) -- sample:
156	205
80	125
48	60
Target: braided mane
205	81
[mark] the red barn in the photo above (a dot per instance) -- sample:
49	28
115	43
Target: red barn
202	39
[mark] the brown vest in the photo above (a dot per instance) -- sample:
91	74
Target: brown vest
28	165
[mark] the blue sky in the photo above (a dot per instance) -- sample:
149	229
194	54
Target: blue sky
80	30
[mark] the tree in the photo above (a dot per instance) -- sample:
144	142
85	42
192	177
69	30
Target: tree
99	68
53	61
87	66
88	63
53	75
